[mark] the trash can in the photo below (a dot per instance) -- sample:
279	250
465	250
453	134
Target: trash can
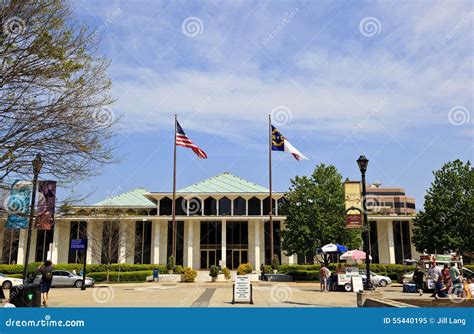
28	295
155	275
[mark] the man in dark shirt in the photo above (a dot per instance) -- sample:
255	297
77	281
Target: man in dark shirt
418	278
46	271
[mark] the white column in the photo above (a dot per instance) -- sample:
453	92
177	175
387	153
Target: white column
224	243
2	234
155	232
21	246
55	245
190	242
414	253
91	241
391	242
257	225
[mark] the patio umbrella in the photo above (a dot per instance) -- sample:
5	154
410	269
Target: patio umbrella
354	255
333	248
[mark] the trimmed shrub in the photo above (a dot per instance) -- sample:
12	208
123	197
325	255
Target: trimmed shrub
275	262
189	275
267	269
244	269
126	276
178	270
226	273
171	263
214	272
9	269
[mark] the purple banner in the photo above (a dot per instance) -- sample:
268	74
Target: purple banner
46	205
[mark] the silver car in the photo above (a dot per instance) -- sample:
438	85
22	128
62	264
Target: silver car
376	279
64	278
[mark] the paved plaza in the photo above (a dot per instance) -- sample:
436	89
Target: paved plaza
207	294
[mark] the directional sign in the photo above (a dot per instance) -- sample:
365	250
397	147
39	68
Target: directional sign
78	244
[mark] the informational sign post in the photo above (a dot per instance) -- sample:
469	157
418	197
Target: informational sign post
357	284
81	245
78	244
242	290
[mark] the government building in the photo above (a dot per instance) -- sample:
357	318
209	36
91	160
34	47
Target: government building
221	220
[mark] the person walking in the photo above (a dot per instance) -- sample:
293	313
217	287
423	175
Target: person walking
46	271
324	274
418	278
434	273
446	276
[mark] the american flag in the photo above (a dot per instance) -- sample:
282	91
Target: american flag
183	140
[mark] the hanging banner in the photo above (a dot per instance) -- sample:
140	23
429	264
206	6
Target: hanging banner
46	205
17	204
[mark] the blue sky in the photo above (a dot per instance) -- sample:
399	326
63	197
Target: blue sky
389	79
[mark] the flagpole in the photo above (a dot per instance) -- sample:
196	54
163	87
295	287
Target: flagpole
173	227
270	214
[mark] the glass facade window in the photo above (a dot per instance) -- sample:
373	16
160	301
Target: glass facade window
179	241
237	234
411	205
210	207
78	230
266	206
110	242
142	242
224	207
276	241
166	207
254	206
401	236
211	234
195	206
44	238
181	206
11	238
373	242
239	207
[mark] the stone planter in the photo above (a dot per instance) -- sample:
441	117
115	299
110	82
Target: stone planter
213	279
220	278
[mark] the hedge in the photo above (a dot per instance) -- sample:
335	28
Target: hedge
125	276
9	269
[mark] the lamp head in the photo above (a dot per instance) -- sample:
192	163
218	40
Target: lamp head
362	162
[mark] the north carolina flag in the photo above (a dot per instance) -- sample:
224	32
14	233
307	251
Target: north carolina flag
280	143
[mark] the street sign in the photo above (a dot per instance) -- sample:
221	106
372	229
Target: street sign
78	244
353	221
242	290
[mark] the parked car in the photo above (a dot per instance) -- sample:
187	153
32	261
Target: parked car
376	279
64	278
8	282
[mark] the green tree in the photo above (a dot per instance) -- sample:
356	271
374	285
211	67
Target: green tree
447	223
314	209
54	92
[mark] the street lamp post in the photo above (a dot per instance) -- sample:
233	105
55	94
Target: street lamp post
37	164
363	162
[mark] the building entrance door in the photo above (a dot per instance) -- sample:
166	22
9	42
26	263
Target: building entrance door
210	257
238	257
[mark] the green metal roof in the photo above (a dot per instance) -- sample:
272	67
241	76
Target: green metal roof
224	183
130	198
